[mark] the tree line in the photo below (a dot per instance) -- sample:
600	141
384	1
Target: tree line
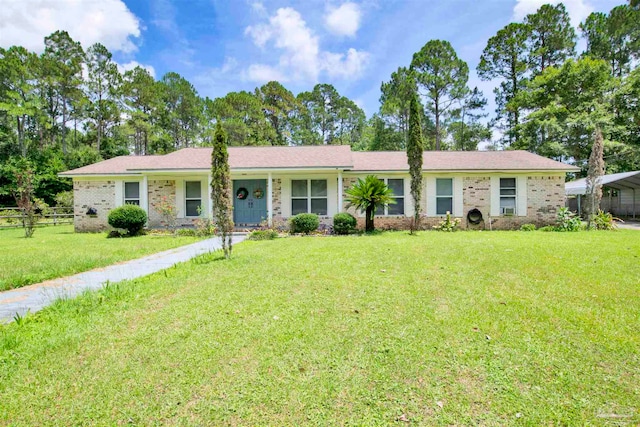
69	107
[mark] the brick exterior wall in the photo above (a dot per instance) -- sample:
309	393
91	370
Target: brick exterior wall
545	195
158	190
277	198
101	196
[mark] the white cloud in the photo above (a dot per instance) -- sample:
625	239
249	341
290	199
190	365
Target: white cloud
264	73
337	65
343	20
578	9
133	64
109	22
300	55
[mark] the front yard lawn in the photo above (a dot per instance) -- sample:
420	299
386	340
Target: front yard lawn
58	251
473	328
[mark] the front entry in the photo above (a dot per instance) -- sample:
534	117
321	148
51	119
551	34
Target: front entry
249	201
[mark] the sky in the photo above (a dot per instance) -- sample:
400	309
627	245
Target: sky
225	46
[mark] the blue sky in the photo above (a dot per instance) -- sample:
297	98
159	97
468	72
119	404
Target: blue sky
223	46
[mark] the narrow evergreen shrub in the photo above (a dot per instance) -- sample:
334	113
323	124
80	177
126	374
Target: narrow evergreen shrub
128	217
304	223
344	223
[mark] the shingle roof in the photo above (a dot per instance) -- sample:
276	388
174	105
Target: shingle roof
323	156
457	161
114	166
318	157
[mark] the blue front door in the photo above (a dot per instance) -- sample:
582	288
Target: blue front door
250	201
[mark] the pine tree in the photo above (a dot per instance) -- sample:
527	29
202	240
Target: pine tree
594	177
415	149
221	189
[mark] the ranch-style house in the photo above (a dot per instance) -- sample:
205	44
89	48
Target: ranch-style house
485	189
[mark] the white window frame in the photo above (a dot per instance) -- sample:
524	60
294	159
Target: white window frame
385	209
451	196
508	196
308	197
187	199
125	199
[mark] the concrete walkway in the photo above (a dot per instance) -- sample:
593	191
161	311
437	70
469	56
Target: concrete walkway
35	297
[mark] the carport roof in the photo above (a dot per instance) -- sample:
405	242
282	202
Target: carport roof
619	181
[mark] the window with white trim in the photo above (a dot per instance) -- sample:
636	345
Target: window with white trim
193	198
397	186
508	194
444	195
132	193
309	196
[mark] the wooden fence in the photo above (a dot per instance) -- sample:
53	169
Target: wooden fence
14	217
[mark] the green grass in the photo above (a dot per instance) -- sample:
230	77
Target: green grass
470	328
57	251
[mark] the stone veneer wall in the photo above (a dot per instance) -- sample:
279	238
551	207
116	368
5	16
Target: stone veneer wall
100	195
159	189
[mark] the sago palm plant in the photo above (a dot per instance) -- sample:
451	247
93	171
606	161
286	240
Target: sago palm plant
369	194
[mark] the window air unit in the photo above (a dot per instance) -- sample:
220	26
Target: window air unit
508	211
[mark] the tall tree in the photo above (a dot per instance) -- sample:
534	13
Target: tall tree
442	77
103	89
62	62
18	98
221	190
326	117
415	149
594	177
565	106
505	57
142	99
183	110
465	128
395	100
279	106
243	118
614	37
552	39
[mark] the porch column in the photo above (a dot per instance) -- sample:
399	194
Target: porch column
144	194
209	200
339	191
269	200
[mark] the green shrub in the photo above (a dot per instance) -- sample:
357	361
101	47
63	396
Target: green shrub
304	223
528	227
567	221
263	235
448	224
128	217
344	223
604	221
547	228
64	199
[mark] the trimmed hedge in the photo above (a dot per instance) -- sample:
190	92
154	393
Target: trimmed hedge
344	223
128	217
304	223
